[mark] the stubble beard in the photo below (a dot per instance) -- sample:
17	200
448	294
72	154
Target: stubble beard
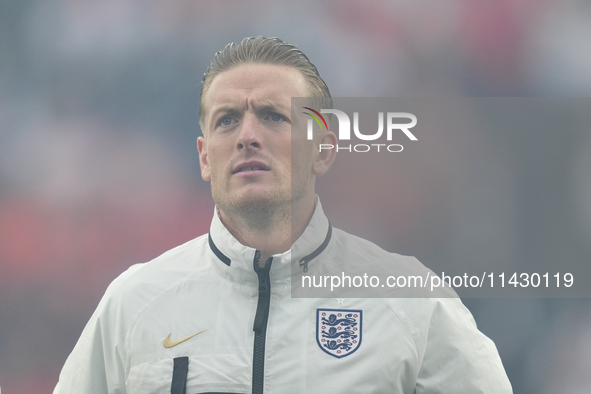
255	212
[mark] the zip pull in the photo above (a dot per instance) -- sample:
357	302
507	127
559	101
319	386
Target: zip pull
262	272
304	263
306	259
262	313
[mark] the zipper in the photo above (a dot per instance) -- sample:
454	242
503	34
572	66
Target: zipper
260	323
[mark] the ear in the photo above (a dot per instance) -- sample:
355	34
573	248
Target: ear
203	159
325	155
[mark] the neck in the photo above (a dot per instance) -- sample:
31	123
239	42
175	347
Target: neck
270	231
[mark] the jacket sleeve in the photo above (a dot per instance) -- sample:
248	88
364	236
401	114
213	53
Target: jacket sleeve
457	357
97	365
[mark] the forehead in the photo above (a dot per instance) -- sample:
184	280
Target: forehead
258	83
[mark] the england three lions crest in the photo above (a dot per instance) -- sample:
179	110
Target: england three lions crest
338	331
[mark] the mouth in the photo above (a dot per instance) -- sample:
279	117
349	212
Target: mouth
250	166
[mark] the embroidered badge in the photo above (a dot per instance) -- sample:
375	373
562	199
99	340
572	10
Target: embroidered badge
338	331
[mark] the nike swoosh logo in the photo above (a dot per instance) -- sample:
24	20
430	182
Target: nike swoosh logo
168	343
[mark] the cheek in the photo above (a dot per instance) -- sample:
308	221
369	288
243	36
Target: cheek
301	164
216	168
217	157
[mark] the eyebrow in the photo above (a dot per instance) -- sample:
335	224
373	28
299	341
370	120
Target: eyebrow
226	109
264	107
267	107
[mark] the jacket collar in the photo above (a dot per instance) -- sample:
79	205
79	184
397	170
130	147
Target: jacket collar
235	261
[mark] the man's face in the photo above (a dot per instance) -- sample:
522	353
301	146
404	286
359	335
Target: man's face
246	152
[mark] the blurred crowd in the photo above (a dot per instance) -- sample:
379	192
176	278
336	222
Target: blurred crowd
99	169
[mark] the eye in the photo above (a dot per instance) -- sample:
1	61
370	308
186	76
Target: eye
225	121
275	117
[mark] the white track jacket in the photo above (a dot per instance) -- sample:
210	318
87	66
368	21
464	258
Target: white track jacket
204	318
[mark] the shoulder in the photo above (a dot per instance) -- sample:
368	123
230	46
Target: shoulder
353	249
385	274
142	283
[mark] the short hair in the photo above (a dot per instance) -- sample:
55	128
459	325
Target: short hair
263	50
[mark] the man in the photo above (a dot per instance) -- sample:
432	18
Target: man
215	315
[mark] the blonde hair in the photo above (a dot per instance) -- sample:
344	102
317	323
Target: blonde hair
263	50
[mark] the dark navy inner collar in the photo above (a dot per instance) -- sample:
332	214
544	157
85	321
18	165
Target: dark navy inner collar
303	261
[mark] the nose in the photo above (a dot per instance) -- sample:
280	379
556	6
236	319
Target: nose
249	136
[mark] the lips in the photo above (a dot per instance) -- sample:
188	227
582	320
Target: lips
250	166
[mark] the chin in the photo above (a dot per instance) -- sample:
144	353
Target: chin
251	200
259	200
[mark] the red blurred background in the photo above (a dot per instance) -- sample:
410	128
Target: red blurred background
99	170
